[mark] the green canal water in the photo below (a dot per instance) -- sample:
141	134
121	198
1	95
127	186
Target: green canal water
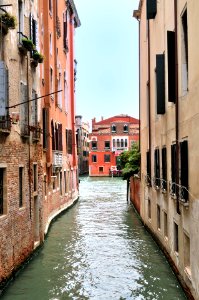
98	250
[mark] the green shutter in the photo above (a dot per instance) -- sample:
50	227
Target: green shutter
160	83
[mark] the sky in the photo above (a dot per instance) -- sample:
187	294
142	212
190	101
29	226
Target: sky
106	50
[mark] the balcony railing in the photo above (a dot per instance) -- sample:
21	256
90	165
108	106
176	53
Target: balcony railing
57	158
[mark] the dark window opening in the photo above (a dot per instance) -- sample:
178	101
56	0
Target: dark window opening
101	169
113	128
94	145
164	168
157	167
94	158
176	245
160	83
158	217
184	169
148	167
173	168
107	144
126	128
185	52
151	7
21	186
171	65
107	158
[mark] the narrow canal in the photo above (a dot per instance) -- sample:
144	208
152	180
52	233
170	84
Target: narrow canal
97	250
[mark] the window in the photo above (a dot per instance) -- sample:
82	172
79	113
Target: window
158	217
35	177
34	108
54	178
107	144
60	182
113	128
94	158
24	110
65	183
69	141
149	208
165	225
65	30
187	253
45	127
122	143
107	158
173	168
21	183
160	84
3	91
164	168
50	6
51	81
151	7
184	170
148	167
157	167
33	31
101	169
51	44
94	145
176	245
21	18
126	128
118	143
65	92
114	143
171	65
45	185
126	143
2	191
184	53
60	93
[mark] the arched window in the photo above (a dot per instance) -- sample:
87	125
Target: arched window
126	128
113	128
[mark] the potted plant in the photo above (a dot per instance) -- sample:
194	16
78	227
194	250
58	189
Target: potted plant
28	44
7	21
38	57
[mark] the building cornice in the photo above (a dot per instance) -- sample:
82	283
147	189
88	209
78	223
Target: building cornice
72	8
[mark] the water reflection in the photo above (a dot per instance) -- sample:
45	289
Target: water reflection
98	250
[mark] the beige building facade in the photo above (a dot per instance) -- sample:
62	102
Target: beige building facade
169	113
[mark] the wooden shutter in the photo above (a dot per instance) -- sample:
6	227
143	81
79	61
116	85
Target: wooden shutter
53	135
148	166
157	167
184	168
173	167
60	146
24	109
151	9
160	83
45	127
3	89
164	168
70	141
171	65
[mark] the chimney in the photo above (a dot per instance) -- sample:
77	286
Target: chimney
102	118
93	121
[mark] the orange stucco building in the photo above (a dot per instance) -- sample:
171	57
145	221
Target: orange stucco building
109	138
57	27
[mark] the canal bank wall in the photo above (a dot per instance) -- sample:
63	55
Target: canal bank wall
36	245
136	201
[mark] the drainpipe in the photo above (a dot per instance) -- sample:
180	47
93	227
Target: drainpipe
29	163
176	102
149	97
